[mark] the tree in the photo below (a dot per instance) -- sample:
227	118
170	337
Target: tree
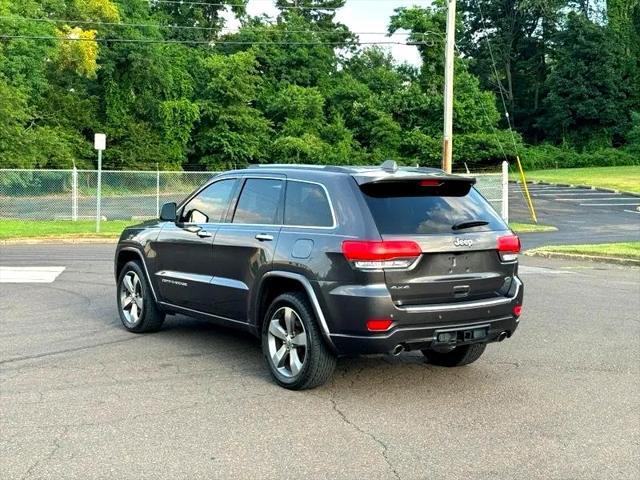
231	132
473	109
586	103
197	20
319	12
507	42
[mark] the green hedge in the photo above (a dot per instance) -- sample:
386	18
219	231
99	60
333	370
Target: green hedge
543	157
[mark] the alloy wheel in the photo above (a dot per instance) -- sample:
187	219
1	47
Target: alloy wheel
287	340
131	299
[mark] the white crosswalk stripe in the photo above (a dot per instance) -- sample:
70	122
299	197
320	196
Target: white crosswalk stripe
29	274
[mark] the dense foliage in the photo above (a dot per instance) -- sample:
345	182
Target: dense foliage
169	85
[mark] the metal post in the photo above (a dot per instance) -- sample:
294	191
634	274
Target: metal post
505	191
525	187
157	191
99	192
74	194
447	144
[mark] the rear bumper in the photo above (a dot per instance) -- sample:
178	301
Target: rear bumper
419	337
413	327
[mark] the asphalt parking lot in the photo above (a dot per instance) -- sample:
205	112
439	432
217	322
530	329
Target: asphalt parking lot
582	215
82	398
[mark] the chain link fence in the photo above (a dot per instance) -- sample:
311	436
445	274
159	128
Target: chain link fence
72	194
131	195
495	188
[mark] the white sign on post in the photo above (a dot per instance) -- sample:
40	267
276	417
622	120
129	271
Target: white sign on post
100	142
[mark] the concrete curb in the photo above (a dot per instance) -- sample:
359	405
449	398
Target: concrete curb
590	258
58	241
589	187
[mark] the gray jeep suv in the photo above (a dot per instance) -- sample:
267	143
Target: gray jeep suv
321	262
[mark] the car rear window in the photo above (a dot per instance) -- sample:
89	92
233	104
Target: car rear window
307	205
411	211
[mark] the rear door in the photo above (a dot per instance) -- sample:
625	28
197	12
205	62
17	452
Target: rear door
243	249
457	231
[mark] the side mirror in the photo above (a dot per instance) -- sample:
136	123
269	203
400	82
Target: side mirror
168	212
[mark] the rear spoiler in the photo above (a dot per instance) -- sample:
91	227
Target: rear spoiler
409	177
411	183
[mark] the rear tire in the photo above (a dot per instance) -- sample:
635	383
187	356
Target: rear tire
459	356
292	344
137	308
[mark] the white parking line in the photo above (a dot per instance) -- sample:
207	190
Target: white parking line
608	204
583	192
560	190
29	274
632	211
541	192
594	199
527	269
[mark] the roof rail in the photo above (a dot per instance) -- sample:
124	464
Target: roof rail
286	165
302	166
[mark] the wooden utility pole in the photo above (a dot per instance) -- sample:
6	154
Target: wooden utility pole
447	144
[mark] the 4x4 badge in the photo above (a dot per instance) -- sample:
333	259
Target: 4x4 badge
459	242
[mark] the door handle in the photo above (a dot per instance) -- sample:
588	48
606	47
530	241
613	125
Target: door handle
204	234
263	237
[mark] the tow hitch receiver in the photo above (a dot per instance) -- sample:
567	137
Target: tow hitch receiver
451	337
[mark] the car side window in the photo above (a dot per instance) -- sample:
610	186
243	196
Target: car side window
259	202
307	205
210	204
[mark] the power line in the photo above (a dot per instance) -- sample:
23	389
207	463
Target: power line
240	5
495	72
177	27
198	42
528	199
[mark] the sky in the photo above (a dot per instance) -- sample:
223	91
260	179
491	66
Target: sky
362	16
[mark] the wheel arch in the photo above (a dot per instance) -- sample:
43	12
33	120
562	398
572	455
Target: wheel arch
128	254
273	284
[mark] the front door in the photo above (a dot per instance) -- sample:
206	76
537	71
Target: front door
185	248
244	249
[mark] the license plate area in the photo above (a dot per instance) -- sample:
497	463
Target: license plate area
461	335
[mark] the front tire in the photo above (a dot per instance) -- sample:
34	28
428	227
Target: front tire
138	310
292	344
459	356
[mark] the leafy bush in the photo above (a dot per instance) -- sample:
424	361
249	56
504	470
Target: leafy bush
543	157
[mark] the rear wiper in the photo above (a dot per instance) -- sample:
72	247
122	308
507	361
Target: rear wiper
469	224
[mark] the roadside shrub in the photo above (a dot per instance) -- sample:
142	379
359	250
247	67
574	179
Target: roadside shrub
543	157
476	150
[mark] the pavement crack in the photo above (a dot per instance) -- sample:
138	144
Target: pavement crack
56	446
66	350
355	426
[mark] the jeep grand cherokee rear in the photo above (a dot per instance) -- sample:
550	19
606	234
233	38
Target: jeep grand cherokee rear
440	276
327	261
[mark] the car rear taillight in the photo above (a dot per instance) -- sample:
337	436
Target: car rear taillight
517	310
430	183
378	255
509	247
379	325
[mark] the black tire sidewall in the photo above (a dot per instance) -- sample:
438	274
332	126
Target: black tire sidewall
458	357
147	299
302	310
